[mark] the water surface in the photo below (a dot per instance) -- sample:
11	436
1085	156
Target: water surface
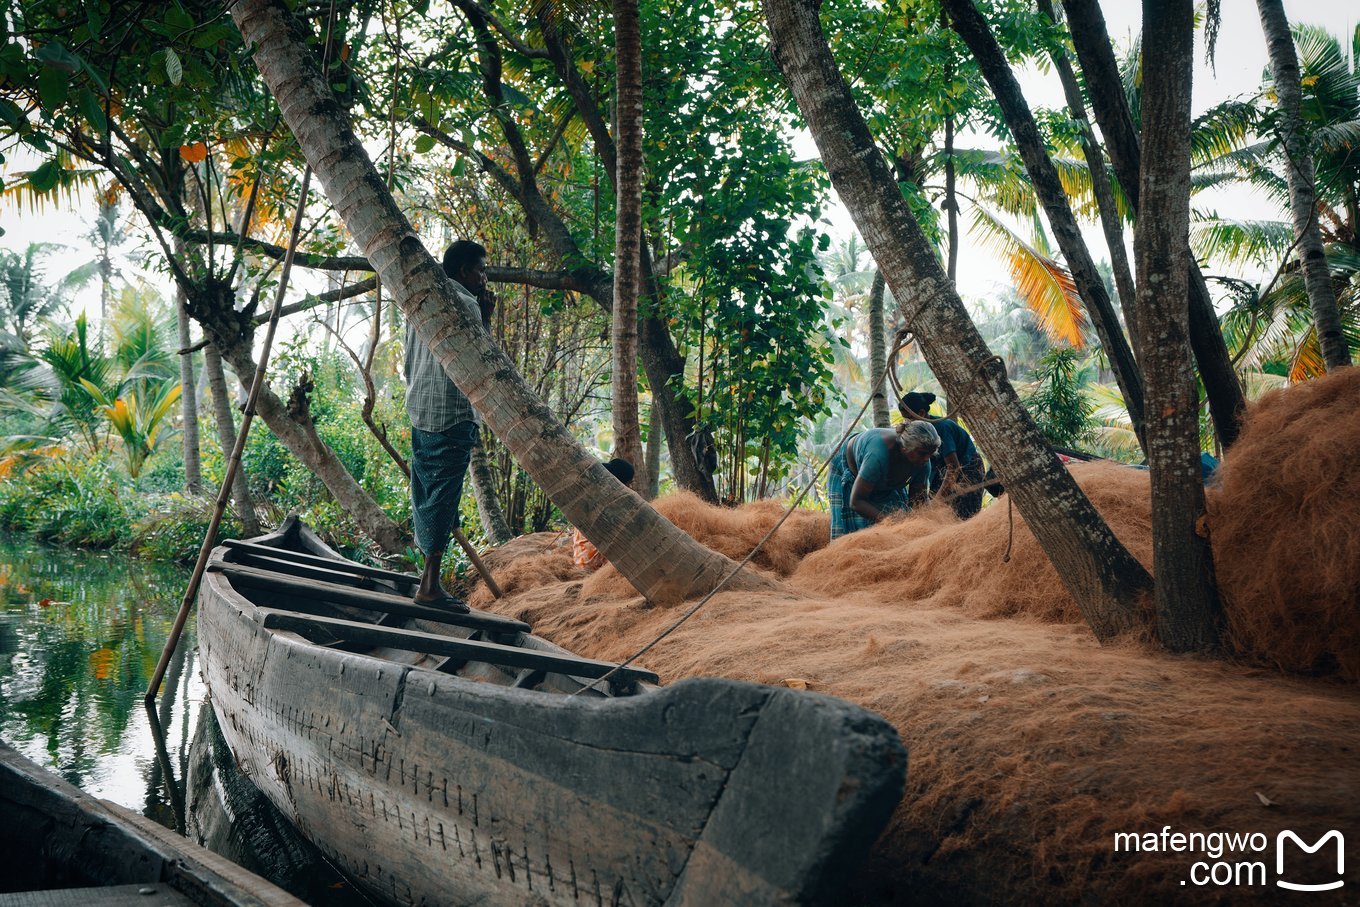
80	635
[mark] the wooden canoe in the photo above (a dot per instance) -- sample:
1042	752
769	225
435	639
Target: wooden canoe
59	846
456	759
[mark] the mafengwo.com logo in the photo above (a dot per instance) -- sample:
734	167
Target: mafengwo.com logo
1233	859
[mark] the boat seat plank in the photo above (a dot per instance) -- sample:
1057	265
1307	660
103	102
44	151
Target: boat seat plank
369	600
160	895
338	575
316	560
433	644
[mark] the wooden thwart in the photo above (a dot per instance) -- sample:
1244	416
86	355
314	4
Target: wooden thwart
313	560
305	571
369	600
433	644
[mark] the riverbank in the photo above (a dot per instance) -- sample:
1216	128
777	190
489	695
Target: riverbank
1031	746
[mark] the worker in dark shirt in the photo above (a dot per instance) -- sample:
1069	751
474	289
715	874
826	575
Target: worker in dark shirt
958	462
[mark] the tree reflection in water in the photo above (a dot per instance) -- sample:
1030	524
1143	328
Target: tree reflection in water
80	634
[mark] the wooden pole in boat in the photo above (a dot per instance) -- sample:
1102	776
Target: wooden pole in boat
234	461
477	562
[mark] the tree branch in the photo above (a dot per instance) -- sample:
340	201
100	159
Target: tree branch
269	250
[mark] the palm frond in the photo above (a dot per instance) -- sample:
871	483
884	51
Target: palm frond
1044	284
70	190
1256	382
1307	362
1221	130
1261	242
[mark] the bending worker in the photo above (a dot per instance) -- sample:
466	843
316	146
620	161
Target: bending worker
958	463
880	472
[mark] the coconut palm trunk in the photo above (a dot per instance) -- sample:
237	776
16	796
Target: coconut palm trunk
1103	578
1096	55
1110	222
1187	603
628	240
489	510
662	562
1284	69
970	25
878	352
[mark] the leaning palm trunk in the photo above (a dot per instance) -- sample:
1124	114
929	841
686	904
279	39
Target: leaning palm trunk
1091	40
662	562
1298	167
1102	576
1110	222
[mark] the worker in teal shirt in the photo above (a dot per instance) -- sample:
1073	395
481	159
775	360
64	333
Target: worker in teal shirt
879	472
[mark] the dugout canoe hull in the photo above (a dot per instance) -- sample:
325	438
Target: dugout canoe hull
431	788
59	846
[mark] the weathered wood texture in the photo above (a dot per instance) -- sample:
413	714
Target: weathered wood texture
141	894
54	835
428	788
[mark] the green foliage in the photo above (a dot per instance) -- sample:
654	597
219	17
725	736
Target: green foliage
1056	401
69	500
174	526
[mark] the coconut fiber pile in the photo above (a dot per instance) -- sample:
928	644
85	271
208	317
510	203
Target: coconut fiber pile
1030	745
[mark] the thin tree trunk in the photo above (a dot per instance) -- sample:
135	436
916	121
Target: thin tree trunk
1101	575
295	431
661	561
1187	602
1092	42
1110	222
968	22
1284	69
661	361
489	510
878	353
226	437
627	240
951	199
188	398
656	432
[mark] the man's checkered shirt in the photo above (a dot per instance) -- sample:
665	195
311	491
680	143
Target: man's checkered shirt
433	402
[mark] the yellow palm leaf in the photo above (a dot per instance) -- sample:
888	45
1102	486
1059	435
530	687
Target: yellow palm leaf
1307	362
1044	284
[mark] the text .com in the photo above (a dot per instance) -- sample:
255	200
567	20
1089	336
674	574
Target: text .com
1244	859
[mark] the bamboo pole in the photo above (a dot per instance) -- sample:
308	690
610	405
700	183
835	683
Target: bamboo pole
234	461
477	562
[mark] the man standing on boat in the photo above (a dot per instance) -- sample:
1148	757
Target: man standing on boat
444	429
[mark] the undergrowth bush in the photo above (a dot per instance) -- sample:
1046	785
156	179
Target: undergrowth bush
85	502
173	529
